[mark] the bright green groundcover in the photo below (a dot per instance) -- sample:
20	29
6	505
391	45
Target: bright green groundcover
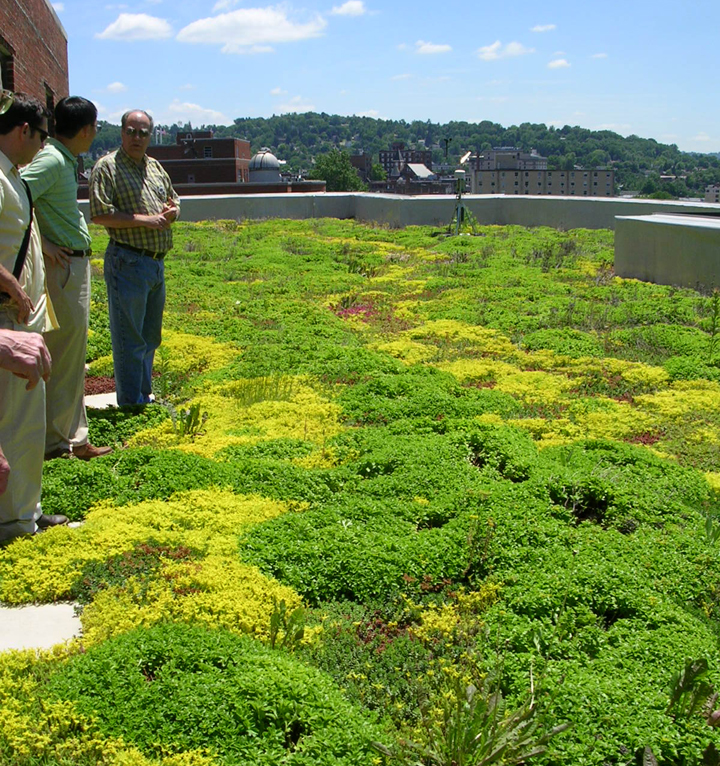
404	499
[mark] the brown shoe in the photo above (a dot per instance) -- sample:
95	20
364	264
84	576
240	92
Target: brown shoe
89	451
63	452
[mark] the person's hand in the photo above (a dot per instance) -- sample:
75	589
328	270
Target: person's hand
18	296
25	354
4	472
170	211
56	255
157	221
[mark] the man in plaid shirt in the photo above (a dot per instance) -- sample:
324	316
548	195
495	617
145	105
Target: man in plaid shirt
132	197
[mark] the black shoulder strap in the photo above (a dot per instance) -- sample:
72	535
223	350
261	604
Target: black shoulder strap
22	253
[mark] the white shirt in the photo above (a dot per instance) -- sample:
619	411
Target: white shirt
14	218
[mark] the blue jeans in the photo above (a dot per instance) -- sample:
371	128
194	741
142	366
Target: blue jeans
136	299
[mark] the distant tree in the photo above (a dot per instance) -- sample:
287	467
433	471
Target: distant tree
377	172
337	171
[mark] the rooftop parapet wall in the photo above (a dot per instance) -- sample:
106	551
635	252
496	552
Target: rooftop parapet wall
679	250
435	210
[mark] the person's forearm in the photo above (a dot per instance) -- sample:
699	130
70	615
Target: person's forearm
120	220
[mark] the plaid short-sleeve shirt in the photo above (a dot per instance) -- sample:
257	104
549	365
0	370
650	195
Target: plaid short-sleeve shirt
117	183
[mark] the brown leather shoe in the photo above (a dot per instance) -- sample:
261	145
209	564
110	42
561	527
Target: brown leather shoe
51	520
89	451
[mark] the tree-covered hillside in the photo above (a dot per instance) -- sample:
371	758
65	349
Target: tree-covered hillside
639	162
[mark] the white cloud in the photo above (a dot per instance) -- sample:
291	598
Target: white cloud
368	113
402	46
225	5
401	77
599	56
187	86
429	49
543	28
59	7
494	99
350	8
136	26
278	92
701	136
251	30
187	112
559	64
116	87
499	51
296	104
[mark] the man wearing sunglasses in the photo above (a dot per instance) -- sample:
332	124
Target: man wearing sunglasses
132	197
52	178
23	308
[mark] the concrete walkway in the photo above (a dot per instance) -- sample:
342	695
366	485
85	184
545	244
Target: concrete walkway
40	627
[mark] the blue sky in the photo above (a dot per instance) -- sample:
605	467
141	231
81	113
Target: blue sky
648	68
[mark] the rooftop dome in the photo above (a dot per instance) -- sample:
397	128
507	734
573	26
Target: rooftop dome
264	160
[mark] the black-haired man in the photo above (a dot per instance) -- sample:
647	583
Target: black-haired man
24	308
52	178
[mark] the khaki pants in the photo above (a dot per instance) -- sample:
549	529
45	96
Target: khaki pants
69	290
22	437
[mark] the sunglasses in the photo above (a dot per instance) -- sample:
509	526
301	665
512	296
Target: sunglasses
43	133
140	132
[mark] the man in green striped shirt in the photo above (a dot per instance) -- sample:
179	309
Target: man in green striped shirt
52	178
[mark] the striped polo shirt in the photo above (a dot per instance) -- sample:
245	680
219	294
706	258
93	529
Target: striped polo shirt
118	183
52	178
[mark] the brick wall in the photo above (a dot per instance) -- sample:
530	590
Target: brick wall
34	46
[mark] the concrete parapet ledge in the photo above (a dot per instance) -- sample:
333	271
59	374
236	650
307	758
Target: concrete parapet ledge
434	210
681	250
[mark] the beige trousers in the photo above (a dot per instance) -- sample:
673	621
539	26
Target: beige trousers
69	290
22	437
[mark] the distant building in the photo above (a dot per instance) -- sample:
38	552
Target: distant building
599	182
198	158
508	170
33	51
508	158
415	178
393	159
199	164
363	164
712	193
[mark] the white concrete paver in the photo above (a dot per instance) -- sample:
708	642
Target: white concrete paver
37	627
101	401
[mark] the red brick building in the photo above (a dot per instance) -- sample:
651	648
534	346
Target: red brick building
397	156
33	50
199	164
198	158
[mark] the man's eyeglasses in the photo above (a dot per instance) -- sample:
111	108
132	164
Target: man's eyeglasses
43	133
140	132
